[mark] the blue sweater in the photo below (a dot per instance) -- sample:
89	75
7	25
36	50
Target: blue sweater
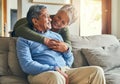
35	57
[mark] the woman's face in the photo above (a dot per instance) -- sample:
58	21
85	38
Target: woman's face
60	20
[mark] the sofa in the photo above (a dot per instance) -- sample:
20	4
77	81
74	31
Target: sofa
100	50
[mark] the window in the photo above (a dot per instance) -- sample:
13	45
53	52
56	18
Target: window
13	17
95	17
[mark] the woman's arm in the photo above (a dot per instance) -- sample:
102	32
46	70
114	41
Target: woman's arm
64	32
61	46
22	29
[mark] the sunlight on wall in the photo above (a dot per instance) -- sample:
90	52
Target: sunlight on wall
90	17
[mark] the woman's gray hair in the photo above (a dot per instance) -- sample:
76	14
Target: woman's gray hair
71	12
34	12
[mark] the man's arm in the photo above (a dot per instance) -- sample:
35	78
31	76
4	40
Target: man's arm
27	63
68	57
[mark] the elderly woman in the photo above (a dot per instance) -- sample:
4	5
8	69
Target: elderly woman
64	17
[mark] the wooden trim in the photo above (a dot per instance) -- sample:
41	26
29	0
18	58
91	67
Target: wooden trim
19	12
109	17
4	16
55	2
2	19
106	16
5	10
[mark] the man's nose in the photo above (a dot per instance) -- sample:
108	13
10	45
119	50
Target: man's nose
49	19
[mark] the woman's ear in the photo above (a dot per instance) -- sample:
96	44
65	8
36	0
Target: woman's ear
34	20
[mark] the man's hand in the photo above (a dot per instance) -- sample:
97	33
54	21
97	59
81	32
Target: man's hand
56	45
64	74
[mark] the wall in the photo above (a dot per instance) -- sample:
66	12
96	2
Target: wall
116	18
75	27
118	32
10	5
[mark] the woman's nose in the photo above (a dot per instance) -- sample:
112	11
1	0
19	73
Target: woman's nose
59	22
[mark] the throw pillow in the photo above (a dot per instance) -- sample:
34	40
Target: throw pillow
106	57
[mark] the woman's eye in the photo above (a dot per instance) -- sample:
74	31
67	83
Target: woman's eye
59	17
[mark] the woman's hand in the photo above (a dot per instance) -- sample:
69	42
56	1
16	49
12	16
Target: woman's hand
56	45
47	41
59	46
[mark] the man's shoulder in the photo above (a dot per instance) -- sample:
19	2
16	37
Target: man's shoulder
21	39
55	35
51	32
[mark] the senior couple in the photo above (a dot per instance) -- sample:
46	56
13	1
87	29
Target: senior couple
44	49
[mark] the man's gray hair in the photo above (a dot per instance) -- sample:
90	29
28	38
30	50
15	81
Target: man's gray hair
71	12
34	12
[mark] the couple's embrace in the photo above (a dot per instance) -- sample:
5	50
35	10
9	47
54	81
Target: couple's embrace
49	60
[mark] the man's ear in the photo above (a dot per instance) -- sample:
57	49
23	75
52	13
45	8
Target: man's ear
34	20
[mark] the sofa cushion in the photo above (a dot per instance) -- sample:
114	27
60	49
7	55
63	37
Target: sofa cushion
12	59
79	42
79	60
4	44
12	80
106	57
3	63
113	76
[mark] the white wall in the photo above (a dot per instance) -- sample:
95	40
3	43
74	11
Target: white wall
116	18
25	4
75	27
52	9
11	4
118	32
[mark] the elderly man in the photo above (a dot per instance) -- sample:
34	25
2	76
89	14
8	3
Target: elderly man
46	66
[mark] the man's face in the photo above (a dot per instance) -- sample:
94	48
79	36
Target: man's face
43	22
60	20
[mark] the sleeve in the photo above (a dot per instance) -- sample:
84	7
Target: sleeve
27	64
22	29
64	32
68	57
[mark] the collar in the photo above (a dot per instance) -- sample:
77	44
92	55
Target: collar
38	31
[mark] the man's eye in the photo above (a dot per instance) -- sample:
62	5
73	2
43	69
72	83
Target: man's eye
47	16
63	22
